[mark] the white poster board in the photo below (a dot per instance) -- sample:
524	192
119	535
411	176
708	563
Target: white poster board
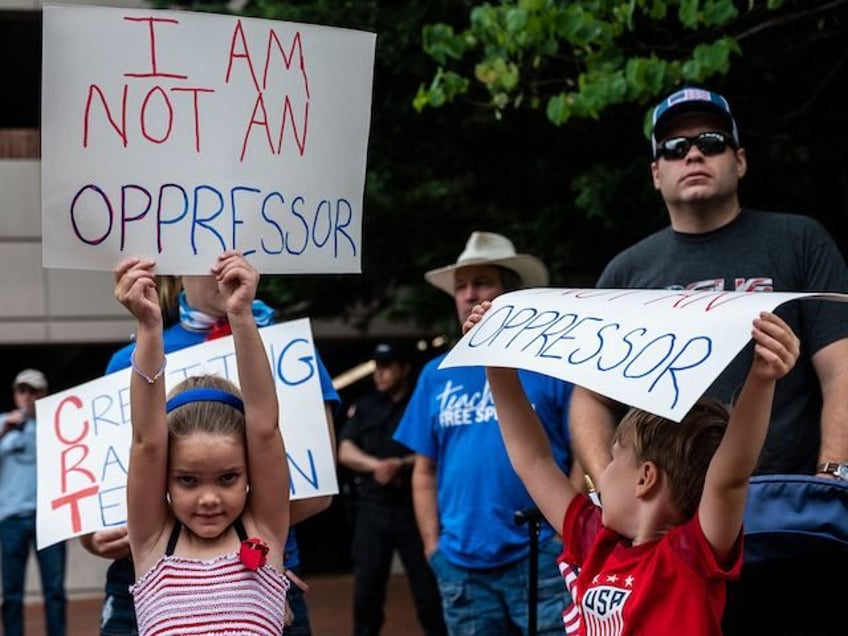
658	350
83	435
175	135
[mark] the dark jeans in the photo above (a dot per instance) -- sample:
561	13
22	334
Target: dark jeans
17	536
117	616
496	600
380	529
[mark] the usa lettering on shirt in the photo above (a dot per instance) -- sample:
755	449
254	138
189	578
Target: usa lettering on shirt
603	609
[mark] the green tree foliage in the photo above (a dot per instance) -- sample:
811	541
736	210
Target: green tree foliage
575	59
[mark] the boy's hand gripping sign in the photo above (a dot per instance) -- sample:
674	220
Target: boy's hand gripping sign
177	135
84	433
658	350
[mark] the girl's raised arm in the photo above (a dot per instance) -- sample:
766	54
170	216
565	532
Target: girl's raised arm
268	501
147	511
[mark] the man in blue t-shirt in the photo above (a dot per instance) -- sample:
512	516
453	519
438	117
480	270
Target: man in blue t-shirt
465	492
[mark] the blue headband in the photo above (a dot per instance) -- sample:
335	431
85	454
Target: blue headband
204	395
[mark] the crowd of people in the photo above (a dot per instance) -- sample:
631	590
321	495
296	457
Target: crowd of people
731	521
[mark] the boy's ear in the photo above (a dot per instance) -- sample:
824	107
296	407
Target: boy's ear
648	479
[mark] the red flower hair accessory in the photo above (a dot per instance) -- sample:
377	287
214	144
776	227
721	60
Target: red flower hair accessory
253	553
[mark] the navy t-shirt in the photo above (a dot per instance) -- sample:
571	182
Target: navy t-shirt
758	252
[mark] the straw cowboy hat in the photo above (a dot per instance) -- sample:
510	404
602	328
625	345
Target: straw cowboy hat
486	248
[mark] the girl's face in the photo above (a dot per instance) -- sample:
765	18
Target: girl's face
207	481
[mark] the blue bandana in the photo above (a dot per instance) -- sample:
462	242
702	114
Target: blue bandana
196	320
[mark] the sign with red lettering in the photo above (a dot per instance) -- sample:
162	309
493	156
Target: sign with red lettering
83	434
655	349
176	135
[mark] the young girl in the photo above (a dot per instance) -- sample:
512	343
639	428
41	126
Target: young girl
656	558
194	312
206	472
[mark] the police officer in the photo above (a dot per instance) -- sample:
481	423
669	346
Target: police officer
385	519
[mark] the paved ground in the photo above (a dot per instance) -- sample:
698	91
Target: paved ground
329	603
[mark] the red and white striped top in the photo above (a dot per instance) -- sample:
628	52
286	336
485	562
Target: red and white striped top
183	597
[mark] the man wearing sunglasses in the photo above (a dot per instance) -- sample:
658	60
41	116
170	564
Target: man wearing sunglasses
713	243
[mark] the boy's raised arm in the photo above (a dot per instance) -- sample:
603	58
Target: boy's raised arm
525	439
722	506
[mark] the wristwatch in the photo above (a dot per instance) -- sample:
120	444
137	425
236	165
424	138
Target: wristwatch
837	469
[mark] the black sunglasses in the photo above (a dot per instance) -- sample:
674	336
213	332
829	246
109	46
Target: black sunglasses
709	143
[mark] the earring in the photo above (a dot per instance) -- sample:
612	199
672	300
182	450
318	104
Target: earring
247	488
168	497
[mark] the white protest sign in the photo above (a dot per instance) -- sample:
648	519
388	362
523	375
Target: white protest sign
83	437
176	135
658	350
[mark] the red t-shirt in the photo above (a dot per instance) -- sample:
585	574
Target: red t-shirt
669	586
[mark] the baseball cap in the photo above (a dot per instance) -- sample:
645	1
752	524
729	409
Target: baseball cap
689	100
390	351
31	377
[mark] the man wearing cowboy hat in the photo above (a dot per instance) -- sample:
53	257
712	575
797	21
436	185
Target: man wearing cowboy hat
465	491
